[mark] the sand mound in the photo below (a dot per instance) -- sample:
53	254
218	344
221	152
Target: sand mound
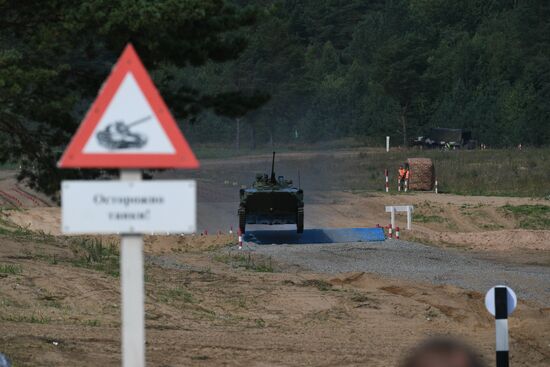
502	240
39	219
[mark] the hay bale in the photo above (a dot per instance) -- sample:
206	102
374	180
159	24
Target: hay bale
422	174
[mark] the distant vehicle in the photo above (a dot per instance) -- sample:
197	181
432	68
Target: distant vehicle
446	139
271	200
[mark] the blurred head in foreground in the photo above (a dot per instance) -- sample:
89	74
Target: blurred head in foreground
442	352
4	361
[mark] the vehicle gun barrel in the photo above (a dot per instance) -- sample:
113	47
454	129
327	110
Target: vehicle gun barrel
273	169
137	122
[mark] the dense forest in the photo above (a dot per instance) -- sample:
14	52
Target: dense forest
370	68
261	72
55	55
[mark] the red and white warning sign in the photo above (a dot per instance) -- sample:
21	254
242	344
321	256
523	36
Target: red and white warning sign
129	128
129	125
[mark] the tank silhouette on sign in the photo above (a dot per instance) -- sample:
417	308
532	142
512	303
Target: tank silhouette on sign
271	200
118	135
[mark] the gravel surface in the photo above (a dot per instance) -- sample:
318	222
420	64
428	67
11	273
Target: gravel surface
407	260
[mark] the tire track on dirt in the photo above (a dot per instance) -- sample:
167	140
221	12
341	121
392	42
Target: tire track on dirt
15	202
35	199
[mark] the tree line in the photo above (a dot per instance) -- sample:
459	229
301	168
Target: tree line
55	55
278	71
368	69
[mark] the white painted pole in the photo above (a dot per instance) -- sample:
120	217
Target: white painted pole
132	291
387	143
409	217
501	326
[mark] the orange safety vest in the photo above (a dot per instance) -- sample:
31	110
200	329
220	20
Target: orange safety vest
407	172
401	173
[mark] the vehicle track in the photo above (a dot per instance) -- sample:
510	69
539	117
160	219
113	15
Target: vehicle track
15	202
35	199
7	202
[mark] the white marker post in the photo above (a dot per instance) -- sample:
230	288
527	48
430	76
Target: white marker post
132	289
392	209
387	143
409	218
501	302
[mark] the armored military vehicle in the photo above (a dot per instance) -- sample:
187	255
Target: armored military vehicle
446	138
271	200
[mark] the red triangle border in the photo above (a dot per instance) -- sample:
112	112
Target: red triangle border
74	157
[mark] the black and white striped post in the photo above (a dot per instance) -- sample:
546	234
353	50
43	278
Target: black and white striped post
501	302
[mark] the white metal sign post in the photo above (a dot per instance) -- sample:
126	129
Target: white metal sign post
392	209
132	291
130	128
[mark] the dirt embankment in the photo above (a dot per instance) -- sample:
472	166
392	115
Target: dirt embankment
211	308
472	222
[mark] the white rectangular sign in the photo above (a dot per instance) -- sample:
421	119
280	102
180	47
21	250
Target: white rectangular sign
399	208
123	207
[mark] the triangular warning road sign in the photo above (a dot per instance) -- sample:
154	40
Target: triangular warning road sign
128	125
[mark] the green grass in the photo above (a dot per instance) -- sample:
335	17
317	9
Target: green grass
530	216
491	226
496	172
260	323
199	358
320	284
12	269
32	319
16	232
246	261
175	294
92	323
88	252
500	172
359	297
92	253
218	151
50	300
420	218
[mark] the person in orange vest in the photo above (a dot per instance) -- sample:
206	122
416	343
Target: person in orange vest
400	177
407	175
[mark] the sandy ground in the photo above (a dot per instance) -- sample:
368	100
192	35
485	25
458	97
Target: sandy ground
207	306
472	223
204	308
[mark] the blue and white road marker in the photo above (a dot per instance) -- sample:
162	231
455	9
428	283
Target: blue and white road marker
501	302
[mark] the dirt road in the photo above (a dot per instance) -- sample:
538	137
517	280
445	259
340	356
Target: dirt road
322	305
